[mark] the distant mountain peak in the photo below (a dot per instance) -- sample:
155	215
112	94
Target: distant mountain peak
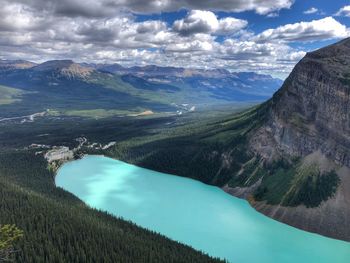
53	64
15	64
68	68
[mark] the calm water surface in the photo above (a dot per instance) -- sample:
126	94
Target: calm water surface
193	213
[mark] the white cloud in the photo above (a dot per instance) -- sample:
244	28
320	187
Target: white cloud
230	25
151	26
311	10
274	14
322	29
156	6
123	32
243	50
266	7
344	11
272	58
103	8
17	17
192	46
295	55
198	21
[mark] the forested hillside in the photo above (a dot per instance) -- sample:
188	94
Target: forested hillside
60	228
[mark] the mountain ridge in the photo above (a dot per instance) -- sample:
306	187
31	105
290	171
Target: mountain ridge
15	64
89	88
309	119
150	70
316	97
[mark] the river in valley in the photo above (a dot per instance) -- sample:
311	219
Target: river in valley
196	214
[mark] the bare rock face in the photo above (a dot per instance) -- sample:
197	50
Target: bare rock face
310	116
66	68
311	111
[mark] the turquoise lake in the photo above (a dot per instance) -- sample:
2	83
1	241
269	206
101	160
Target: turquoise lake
202	216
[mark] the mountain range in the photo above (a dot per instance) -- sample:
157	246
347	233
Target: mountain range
65	86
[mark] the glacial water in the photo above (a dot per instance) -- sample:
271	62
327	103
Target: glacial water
193	213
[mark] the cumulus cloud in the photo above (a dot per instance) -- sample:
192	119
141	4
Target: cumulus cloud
100	8
322	29
344	11
123	32
250	50
230	25
72	8
198	21
18	17
311	10
260	7
192	46
198	43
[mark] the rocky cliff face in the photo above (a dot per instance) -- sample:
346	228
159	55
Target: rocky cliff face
309	118
311	111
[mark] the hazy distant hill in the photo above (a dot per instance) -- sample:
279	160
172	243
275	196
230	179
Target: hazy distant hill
217	81
65	86
15	64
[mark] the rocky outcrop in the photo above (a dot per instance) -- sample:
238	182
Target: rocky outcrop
310	116
59	153
312	109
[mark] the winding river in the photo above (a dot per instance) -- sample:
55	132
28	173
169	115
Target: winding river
202	216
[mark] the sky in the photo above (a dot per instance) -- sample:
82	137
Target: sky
263	36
